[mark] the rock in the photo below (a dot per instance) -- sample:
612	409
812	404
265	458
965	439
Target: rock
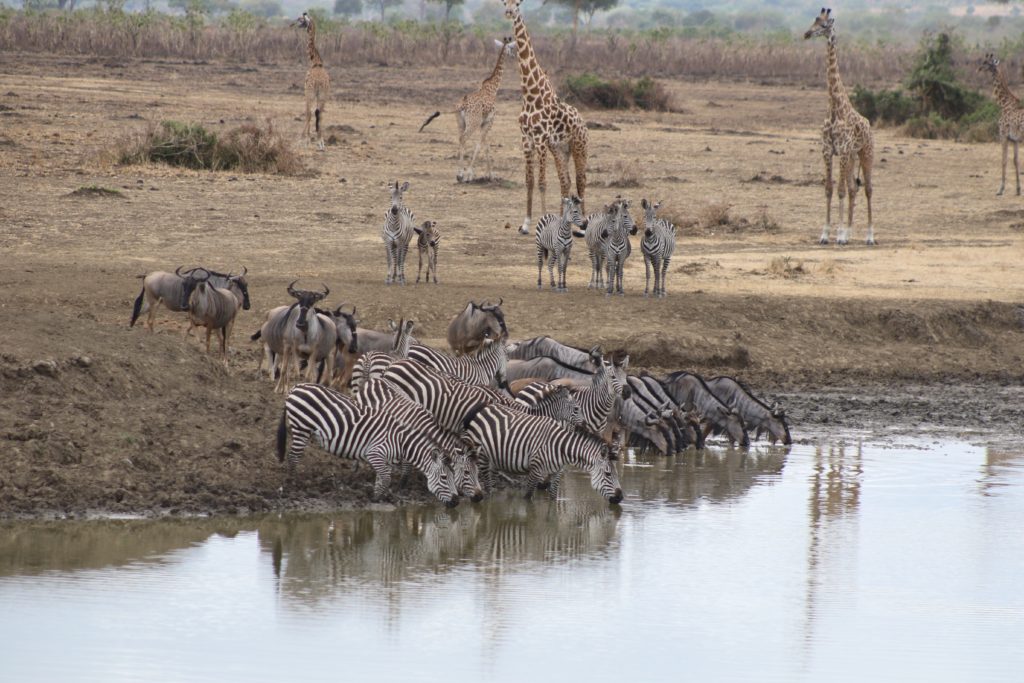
46	368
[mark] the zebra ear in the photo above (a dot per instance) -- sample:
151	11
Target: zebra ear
392	325
405	185
418	231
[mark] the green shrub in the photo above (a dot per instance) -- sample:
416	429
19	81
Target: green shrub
593	91
931	127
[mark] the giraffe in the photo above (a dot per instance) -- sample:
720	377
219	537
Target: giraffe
547	124
847	135
475	112
1011	116
317	83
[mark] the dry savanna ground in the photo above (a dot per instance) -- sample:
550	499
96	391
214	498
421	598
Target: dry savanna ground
99	416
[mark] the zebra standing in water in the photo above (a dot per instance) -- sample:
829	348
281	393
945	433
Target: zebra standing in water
341	427
657	246
397	233
606	386
616	244
554	241
540	448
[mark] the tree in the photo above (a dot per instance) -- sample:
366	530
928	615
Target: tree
589	7
448	5
384	5
349	8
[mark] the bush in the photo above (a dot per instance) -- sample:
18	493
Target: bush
890	107
593	91
931	127
247	148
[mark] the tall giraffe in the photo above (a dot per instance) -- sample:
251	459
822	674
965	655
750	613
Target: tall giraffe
547	124
1011	116
475	111
317	83
847	135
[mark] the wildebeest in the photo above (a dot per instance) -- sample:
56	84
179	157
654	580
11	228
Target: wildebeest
756	414
476	323
173	290
296	331
215	309
691	392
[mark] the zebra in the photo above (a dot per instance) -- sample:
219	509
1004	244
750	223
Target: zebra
607	385
397	233
540	448
489	367
372	364
427	241
381	395
596	224
448	399
344	429
615	239
550	400
657	246
554	240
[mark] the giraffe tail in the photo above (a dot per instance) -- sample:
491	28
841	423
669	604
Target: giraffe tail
317	113
429	119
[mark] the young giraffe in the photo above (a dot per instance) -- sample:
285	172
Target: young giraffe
1011	116
847	135
317	83
475	111
547	124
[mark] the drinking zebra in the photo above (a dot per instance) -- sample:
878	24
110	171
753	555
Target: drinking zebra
373	364
489	367
657	246
541	449
343	428
554	241
397	233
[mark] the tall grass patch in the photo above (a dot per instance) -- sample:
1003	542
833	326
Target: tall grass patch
247	148
590	90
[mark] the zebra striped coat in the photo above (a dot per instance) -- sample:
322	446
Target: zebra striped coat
345	429
397	233
554	241
657	246
427	242
540	448
615	238
489	367
597	223
373	364
380	395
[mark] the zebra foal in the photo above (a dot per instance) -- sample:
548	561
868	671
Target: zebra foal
343	428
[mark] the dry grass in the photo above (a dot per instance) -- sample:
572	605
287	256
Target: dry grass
787	267
765	222
625	174
713	215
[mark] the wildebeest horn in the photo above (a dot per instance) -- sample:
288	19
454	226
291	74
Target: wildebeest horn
177	271
244	271
327	290
291	289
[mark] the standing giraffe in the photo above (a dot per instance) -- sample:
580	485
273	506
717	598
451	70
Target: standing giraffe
847	135
317	83
475	111
547	124
1011	116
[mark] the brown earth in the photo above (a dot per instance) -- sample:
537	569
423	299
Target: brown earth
922	334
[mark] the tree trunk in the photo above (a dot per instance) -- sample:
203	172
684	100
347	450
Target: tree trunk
575	23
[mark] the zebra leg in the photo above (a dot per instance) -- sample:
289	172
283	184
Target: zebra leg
551	268
382	468
664	274
387	249
611	277
432	264
593	270
622	265
563	265
554	482
541	254
300	437
401	254
419	268
647	278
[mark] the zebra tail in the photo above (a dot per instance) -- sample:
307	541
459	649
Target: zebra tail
480	405
429	119
137	308
282	436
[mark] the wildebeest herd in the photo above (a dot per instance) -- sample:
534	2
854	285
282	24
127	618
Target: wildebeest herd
533	407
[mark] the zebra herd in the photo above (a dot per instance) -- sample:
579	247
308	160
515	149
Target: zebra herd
530	409
607	234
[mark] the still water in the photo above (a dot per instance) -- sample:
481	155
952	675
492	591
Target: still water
835	562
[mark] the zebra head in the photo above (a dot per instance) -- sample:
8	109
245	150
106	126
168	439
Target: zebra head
466	468
396	195
571	213
440	479
603	474
650	217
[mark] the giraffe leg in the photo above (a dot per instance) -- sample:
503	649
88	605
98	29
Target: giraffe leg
542	178
579	157
1016	165
309	119
528	152
561	157
851	187
828	198
319	114
460	175
1002	183
865	166
485	130
844	172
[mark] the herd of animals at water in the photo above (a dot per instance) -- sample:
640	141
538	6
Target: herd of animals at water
493	406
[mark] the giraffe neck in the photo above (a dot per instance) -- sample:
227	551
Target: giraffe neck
314	54
534	80
492	82
1001	91
838	102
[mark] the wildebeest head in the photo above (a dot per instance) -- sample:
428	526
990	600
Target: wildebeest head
188	284
778	427
350	321
243	286
495	310
306	300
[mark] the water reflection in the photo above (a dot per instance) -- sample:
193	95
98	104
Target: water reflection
314	557
715	475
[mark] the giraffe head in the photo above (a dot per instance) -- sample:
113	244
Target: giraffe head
512	8
990	64
304	21
508	44
396	195
822	25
